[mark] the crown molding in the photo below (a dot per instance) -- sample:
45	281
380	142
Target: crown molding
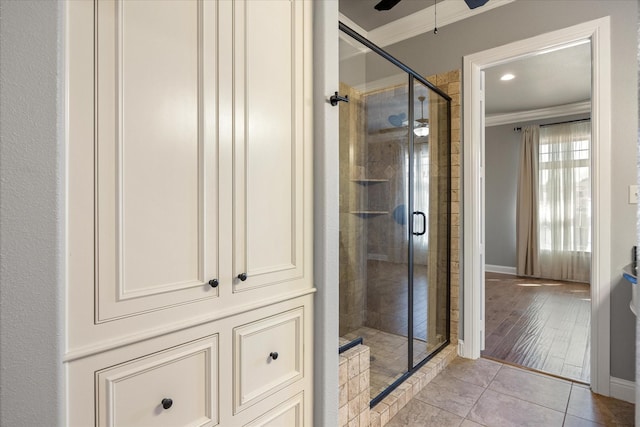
449	11
539	114
355	27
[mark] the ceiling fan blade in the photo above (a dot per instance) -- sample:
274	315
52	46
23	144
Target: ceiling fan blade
474	3
387	4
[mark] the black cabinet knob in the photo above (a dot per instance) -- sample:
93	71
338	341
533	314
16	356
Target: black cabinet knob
273	355
242	276
214	283
166	403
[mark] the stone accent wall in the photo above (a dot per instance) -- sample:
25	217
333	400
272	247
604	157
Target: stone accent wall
449	83
353	385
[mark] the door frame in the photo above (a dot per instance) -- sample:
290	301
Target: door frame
598	33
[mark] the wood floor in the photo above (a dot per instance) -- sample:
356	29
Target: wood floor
538	324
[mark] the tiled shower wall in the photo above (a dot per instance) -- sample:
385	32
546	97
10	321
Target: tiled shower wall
373	236
353	233
449	83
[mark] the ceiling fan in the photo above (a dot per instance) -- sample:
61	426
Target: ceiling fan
388	4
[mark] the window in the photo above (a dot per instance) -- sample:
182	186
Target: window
564	187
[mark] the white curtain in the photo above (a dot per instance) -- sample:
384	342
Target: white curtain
564	201
421	200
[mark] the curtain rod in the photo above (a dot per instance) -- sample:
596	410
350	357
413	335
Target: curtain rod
519	129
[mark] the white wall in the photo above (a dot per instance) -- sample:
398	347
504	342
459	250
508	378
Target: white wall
31	382
326	226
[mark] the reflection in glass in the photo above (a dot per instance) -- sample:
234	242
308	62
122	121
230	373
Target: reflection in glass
394	214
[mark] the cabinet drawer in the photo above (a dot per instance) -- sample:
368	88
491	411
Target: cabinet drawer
289	413
268	356
177	387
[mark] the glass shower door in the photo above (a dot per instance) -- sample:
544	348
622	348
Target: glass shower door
374	164
394	212
430	233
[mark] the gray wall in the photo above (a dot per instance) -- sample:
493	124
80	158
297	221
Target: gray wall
431	54
31	382
502	153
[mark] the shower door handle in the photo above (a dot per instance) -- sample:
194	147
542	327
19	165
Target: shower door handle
424	223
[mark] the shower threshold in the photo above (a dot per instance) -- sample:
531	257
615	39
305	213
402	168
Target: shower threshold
388	355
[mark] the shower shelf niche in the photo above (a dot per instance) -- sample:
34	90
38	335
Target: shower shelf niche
382	198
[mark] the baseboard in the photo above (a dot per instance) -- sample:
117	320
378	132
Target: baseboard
623	389
499	269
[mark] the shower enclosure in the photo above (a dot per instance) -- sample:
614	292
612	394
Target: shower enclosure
394	212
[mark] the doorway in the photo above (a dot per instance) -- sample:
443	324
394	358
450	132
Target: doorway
538	305
597	32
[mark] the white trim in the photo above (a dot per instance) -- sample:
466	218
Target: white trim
598	32
503	269
623	390
325	214
539	114
355	27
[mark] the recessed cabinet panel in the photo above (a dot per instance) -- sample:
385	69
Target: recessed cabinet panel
178	387
156	222
268	356
289	414
269	141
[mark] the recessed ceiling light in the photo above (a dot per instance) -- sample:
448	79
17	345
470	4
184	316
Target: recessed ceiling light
507	77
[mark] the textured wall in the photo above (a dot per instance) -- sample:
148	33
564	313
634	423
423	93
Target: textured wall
30	215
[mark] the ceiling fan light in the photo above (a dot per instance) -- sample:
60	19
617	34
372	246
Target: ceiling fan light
422	130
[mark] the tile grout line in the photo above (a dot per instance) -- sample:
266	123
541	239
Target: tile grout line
529	401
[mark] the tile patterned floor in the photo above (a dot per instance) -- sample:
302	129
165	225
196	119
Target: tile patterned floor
486	393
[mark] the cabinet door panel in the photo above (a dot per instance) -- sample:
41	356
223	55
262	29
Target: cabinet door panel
289	413
269	355
171	388
156	186
269	141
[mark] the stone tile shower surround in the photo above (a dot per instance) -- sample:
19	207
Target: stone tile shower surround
353	296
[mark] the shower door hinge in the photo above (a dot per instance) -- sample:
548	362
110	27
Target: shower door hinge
337	98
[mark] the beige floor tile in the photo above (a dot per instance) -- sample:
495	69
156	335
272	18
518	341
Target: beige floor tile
540	389
420	414
572	421
469	423
450	393
479	372
605	410
499	410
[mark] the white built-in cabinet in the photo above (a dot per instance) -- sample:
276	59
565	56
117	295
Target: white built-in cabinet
189	234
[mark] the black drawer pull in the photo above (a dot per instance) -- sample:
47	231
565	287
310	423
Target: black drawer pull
273	355
242	276
167	403
214	283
